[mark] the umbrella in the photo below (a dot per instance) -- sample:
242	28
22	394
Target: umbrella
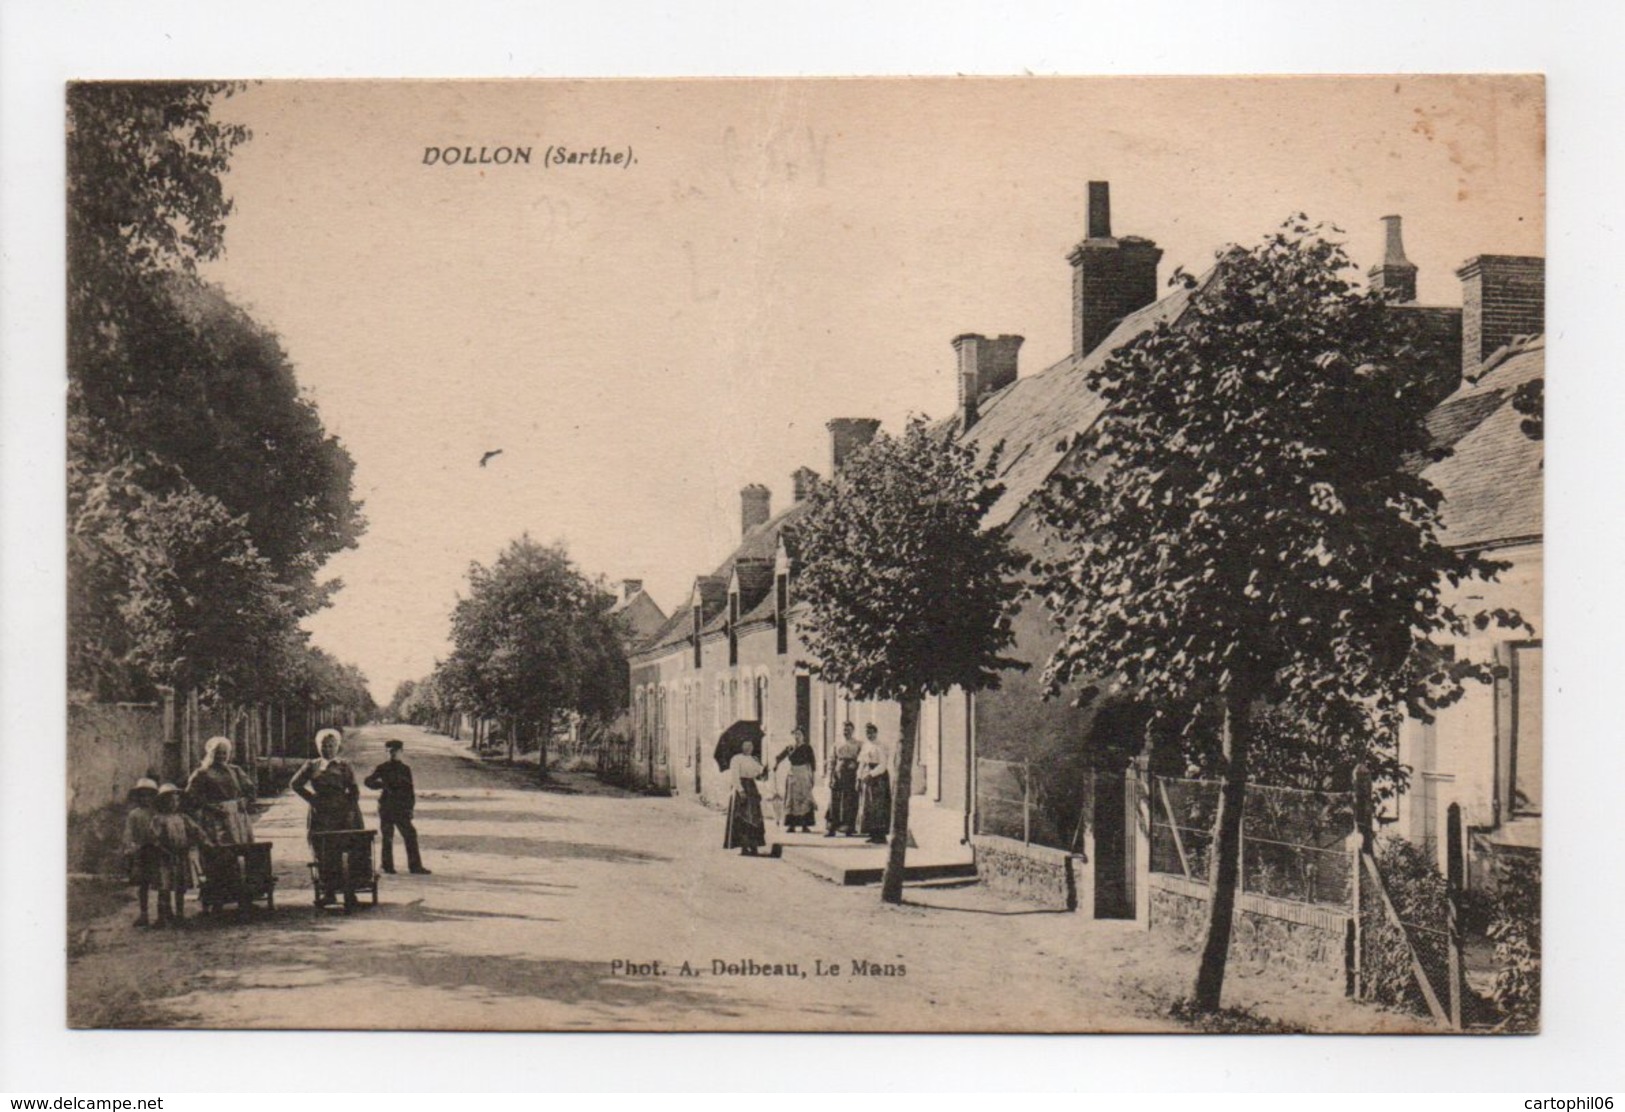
733	737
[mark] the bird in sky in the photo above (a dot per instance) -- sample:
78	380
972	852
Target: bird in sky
489	456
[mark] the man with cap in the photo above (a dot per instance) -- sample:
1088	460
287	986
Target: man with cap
393	781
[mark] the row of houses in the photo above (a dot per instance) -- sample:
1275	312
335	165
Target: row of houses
732	649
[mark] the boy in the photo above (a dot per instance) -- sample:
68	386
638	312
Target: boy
396	800
141	843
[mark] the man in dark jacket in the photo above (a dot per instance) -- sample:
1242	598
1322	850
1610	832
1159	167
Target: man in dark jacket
396	799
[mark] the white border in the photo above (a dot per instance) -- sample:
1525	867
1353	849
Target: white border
43	43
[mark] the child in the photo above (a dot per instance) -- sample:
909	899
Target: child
141	843
176	836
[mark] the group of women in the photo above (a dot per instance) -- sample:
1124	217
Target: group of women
218	795
859	791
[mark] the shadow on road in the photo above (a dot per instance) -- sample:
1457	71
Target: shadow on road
475	814
541	848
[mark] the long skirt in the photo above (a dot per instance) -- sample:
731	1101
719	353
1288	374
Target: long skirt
746	830
799	808
843	803
227	822
874	806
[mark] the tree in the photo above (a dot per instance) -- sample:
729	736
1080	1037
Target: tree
535	639
204	493
1246	525
907	594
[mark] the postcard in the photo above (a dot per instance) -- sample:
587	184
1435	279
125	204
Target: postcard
820	555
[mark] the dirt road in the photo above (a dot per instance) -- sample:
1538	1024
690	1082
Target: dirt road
577	909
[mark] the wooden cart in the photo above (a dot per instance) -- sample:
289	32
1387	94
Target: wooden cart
354	868
237	874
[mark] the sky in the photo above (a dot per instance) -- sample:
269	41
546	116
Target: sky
642	340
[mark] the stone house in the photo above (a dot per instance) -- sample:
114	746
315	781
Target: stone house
732	651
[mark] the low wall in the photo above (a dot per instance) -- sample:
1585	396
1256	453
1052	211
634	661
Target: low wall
110	747
1312	940
1037	873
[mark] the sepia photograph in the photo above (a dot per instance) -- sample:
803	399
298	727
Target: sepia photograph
932	555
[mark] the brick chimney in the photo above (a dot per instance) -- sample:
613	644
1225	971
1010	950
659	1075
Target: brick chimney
1502	297
1111	277
630	587
1395	272
984	366
805	481
847	435
755	507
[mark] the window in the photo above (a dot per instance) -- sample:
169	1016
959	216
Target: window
761	698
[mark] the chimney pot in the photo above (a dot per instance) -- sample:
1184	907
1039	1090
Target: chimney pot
1100	210
1396	273
755	507
1111	278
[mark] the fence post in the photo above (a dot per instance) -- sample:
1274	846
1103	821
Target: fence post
1355	946
1138	776
1453	887
1026	803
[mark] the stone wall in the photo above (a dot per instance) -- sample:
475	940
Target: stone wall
1309	940
1037	873
110	747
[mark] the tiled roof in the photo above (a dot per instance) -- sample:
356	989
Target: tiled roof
756	550
1034	414
1493	480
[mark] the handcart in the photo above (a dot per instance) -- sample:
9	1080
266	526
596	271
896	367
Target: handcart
237	874
351	867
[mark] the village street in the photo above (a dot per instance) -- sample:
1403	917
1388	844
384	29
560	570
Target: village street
535	894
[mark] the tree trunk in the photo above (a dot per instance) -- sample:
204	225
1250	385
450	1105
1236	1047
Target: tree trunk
513	730
891	883
1224	869
544	731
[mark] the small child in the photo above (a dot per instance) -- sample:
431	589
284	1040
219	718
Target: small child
176	835
141	843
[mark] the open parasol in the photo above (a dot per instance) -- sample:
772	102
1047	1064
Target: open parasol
735	736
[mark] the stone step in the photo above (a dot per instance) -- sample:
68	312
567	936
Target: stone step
860	863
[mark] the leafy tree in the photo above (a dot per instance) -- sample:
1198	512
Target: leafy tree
907	594
1245	525
403	694
535	639
204	493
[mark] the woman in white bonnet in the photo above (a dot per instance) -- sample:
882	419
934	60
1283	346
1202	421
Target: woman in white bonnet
219	792
328	784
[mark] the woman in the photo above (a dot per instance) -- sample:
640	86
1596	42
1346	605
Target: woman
842	815
328	785
874	776
799	808
219	793
746	830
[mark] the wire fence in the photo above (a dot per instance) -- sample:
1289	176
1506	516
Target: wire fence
1296	845
1017	800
